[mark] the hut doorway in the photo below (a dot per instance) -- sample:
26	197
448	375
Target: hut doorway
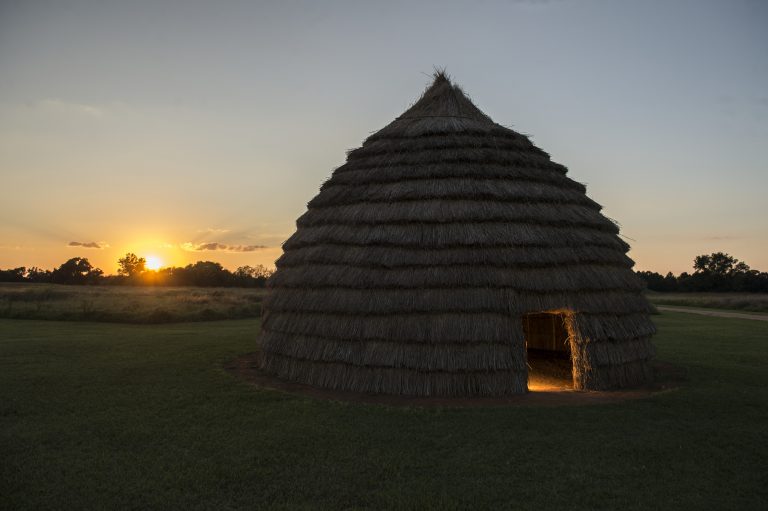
548	351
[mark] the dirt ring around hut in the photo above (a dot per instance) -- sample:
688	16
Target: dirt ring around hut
668	377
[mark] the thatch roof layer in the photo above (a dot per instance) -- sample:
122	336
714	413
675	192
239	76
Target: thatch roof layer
477	234
501	190
444	357
439	211
434	329
412	267
486	172
570	278
441	147
377	256
386	380
443	327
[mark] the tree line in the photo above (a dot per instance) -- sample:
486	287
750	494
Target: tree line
132	271
716	272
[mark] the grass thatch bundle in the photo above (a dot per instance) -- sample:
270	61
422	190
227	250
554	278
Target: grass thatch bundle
414	268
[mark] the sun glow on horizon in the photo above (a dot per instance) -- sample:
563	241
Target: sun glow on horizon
153	263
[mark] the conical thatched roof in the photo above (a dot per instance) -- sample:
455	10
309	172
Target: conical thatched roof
411	269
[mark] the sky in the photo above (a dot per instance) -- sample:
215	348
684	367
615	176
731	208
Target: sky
188	130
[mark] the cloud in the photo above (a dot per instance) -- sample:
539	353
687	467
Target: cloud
718	238
214	246
90	244
214	231
270	239
57	106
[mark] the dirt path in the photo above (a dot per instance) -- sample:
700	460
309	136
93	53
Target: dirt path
668	377
715	313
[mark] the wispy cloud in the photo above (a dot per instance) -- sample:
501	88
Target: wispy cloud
213	230
270	239
214	246
88	244
58	106
718	238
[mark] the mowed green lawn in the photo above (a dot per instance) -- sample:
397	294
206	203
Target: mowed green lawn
105	416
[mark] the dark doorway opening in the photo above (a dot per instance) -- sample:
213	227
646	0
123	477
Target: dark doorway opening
548	350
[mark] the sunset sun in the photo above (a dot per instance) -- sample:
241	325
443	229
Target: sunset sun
153	263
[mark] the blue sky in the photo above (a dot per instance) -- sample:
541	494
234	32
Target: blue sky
167	127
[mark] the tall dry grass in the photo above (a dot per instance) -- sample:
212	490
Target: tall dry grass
127	304
752	302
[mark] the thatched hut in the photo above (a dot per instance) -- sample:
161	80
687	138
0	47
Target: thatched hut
441	256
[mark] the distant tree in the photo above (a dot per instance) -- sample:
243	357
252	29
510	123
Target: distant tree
170	276
684	283
252	276
653	280
721	272
131	265
13	275
717	263
742	267
656	282
670	282
36	274
244	272
205	273
77	270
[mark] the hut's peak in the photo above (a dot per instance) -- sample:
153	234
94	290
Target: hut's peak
444	99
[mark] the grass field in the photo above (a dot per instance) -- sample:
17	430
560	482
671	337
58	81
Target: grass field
127	304
752	302
110	416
